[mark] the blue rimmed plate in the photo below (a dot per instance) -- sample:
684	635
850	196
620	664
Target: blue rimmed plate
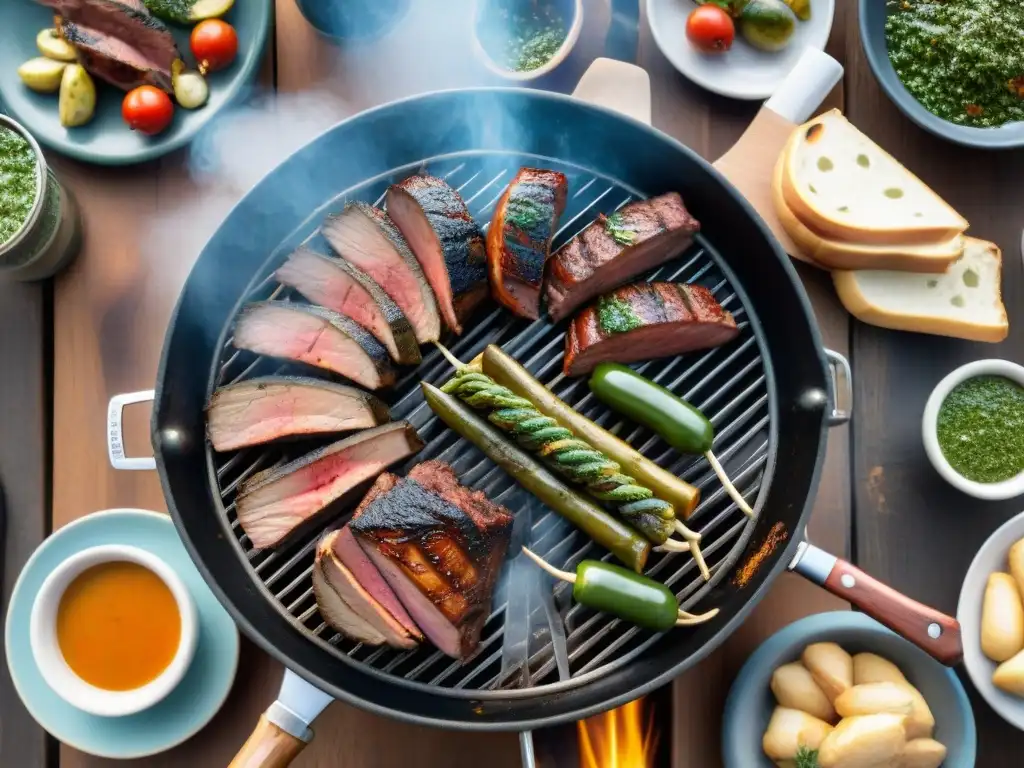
188	708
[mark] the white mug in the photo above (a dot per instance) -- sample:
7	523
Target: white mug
50	660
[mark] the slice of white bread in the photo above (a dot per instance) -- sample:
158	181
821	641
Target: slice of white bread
965	302
843	186
836	254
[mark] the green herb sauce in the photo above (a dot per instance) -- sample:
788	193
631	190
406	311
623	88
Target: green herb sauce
981	429
522	41
522	213
172	10
616	226
17	182
616	316
962	59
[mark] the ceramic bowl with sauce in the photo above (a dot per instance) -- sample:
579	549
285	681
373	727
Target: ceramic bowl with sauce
519	24
113	630
985	385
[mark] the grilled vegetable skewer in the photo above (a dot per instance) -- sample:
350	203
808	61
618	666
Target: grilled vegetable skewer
618	538
676	421
634	598
571	457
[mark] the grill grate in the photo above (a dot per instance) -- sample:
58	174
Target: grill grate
727	383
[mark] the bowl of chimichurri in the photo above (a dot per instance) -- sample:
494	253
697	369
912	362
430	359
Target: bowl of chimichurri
973	429
524	39
954	67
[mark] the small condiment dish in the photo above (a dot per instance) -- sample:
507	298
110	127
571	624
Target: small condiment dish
1006	489
575	26
992	557
50	660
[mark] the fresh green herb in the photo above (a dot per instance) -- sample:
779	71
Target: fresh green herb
806	758
17	182
981	429
539	49
523	213
615	226
616	316
962	59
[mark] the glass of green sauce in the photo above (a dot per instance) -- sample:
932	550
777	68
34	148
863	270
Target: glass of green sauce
973	429
40	229
524	39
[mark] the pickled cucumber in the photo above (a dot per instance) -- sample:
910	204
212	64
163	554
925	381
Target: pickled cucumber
41	74
767	24
77	101
55	47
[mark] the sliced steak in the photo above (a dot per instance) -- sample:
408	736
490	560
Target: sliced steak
646	321
272	503
350	608
519	240
315	336
368	239
440	547
615	249
115	61
446	241
268	408
337	285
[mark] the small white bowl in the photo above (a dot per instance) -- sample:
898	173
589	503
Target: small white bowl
573	34
55	670
990	558
1007	489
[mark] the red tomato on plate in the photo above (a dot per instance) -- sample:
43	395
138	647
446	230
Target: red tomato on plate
147	109
710	29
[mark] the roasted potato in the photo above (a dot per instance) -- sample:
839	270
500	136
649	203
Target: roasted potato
831	667
1002	618
1009	676
864	741
1016	559
790	729
873	698
871	668
922	753
794	687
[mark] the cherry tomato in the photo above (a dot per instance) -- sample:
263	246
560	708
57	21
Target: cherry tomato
147	109
214	44
710	29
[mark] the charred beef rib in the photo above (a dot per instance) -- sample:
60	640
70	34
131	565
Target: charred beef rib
440	546
519	240
336	284
446	241
615	249
267	408
646	321
349	607
366	238
119	41
272	503
316	336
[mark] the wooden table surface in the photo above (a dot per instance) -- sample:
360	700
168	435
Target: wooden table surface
145	225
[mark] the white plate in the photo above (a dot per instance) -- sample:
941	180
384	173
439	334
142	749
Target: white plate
743	72
990	558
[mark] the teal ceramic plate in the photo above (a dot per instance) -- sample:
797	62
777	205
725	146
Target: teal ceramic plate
106	139
188	708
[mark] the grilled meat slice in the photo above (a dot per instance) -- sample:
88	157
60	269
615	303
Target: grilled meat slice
519	240
347	606
337	285
366	238
272	503
446	241
645	321
317	336
615	249
366	573
440	547
268	408
114	60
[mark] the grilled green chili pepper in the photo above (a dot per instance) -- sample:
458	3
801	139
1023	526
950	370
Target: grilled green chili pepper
612	534
632	597
677	422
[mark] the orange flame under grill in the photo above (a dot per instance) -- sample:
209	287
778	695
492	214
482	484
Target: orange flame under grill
619	738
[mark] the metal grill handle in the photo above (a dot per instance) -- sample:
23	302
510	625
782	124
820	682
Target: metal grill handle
840	388
115	431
